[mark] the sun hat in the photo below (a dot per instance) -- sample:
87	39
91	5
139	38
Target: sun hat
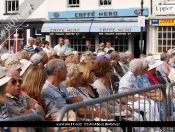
6	56
102	57
3	78
26	64
13	63
87	57
153	63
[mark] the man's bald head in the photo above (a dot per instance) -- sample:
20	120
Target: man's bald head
11	72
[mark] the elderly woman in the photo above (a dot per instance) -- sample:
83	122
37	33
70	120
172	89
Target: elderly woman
129	82
123	62
79	94
164	68
33	81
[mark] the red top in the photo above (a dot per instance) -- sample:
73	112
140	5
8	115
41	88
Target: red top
37	99
152	79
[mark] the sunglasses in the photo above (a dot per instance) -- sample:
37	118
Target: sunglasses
65	96
14	81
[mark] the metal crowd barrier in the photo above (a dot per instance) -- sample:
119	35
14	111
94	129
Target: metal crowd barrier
29	118
106	100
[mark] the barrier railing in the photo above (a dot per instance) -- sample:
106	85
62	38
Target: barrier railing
169	93
106	100
29	117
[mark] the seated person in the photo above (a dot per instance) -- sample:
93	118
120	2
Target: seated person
129	82
19	104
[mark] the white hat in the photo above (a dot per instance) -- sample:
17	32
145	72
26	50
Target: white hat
6	56
101	53
13	63
153	63
3	78
26	64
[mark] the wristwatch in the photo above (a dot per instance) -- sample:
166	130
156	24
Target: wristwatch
36	111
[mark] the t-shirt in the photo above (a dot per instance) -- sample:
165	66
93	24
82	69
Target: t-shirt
107	49
47	50
3	50
59	49
68	47
29	48
143	81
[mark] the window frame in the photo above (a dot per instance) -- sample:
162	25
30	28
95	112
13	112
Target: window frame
6	7
72	5
166	37
169	2
103	3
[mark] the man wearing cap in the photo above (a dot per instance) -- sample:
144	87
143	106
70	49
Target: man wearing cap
13	63
20	104
29	47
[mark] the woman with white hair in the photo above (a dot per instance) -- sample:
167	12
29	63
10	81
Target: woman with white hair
128	83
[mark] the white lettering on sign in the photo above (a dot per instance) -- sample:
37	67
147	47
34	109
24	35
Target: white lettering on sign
107	29
164	10
124	30
65	30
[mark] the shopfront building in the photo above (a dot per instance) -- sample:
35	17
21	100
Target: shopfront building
162	29
97	26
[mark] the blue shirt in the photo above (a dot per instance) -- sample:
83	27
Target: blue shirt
143	81
68	47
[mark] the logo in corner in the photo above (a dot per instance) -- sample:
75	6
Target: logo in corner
56	14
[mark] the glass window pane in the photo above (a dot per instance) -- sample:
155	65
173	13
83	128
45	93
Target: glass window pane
77	1
173	28
13	6
70	2
160	35
9	6
159	28
173	35
169	35
164	35
159	49
159	42
169	43
164	28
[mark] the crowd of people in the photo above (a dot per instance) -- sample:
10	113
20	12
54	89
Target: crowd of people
42	80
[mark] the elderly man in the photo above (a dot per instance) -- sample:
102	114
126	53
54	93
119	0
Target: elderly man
20	104
129	82
29	47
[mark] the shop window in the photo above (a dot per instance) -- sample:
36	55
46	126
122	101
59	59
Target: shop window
120	42
165	38
38	31
15	37
12	6
74	3
105	2
169	1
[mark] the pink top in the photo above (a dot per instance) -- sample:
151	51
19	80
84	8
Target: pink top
152	79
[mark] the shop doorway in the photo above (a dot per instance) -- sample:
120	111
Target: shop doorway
136	45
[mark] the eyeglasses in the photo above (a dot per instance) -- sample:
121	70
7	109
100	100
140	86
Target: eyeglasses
65	96
14	81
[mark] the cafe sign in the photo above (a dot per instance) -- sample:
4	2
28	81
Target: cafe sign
114	29
167	22
161	10
65	30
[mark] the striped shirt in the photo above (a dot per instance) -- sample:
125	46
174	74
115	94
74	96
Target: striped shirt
29	48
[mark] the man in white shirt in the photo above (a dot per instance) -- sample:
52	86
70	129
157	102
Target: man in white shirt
60	48
108	47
